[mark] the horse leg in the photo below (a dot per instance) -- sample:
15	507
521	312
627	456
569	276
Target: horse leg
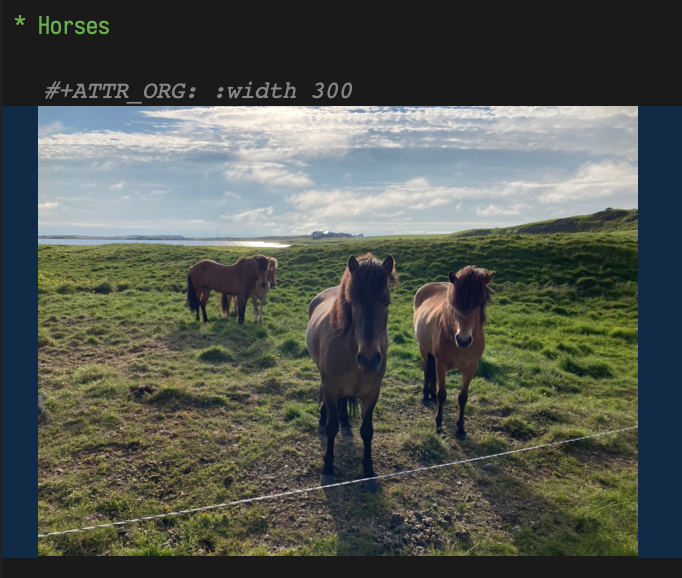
343	417
429	369
262	304
254	302
463	396
204	299
332	429
199	300
441	373
322	428
242	308
367	433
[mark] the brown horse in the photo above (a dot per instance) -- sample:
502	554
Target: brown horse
448	323
347	339
259	293
237	279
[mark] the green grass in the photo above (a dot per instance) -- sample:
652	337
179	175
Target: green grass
150	411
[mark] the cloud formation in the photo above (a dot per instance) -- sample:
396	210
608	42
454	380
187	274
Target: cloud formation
363	169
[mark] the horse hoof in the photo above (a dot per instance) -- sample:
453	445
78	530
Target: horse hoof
371	486
327	479
347	431
461	434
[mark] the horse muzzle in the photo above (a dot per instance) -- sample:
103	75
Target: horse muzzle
371	365
464	343
273	284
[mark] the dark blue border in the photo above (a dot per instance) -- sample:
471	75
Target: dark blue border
660	191
19	323
660	134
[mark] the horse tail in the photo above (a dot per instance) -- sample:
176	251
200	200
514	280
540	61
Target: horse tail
430	373
224	305
192	301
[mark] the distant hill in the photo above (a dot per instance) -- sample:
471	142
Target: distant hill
603	221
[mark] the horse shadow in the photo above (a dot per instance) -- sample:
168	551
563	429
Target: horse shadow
359	516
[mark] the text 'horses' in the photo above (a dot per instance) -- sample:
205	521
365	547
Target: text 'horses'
238	279
448	323
347	339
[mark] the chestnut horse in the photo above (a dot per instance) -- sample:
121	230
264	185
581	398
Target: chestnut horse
448	323
237	279
347	339
259	293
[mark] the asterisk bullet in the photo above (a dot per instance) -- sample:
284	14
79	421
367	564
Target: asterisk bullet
20	20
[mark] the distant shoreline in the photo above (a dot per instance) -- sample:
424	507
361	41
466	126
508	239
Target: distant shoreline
171	238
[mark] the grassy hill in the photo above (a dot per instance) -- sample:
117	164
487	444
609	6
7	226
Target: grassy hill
609	220
150	412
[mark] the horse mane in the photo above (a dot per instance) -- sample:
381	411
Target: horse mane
359	286
261	260
470	291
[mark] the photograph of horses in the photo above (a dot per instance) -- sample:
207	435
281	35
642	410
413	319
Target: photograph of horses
476	267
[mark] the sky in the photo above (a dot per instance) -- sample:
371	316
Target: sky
261	171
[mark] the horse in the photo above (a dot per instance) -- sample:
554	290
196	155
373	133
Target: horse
258	293
448	323
347	339
237	279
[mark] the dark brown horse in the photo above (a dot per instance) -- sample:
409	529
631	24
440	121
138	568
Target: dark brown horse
238	279
259	293
448	323
347	339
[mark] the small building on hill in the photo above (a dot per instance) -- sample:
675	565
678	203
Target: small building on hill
326	234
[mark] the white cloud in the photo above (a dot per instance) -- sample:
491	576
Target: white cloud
593	180
228	194
106	166
117	186
494	210
55	127
47	208
269	173
249	215
281	134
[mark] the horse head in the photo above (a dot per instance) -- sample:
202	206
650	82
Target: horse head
470	295
272	272
262	263
368	295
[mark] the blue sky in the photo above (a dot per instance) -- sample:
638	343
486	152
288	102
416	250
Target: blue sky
250	171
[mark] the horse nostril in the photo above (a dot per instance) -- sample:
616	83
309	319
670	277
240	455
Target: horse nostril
262	284
273	285
376	360
462	343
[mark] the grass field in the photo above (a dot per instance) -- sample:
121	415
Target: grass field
150	412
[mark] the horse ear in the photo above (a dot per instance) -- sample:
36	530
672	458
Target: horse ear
453	278
488	278
389	264
353	264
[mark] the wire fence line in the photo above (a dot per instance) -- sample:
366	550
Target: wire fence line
336	485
